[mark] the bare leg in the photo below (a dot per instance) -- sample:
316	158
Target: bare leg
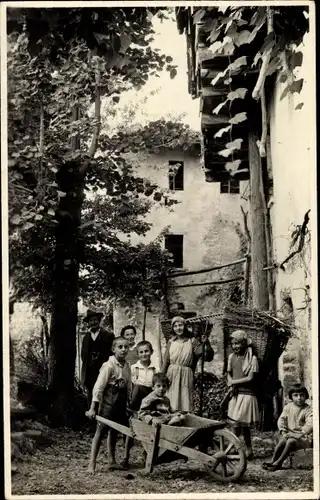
112	439
95	447
247	439
128	446
278	449
290	446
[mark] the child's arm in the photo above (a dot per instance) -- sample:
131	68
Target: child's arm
283	421
99	387
308	426
145	411
251	375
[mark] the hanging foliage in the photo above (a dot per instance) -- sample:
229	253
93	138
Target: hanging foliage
256	43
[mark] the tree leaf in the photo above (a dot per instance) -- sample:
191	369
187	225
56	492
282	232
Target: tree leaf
125	42
27	225
238	118
62	194
16	219
222	131
296	59
38	217
242	37
219	107
173	73
51	212
237	94
217	78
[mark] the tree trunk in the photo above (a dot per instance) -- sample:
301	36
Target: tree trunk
260	296
63	328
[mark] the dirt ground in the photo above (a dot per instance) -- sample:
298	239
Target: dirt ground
61	468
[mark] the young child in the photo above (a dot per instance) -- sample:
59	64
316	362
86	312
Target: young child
180	361
155	408
243	410
110	399
295	426
142	374
129	332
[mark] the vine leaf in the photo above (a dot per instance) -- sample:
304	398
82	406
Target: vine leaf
296	59
242	38
236	144
299	106
198	16
16	219
231	147
232	166
295	86
238	118
222	131
219	107
232	68
237	94
215	47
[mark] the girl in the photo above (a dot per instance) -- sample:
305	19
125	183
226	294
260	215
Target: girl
180	361
142	374
295	426
111	396
243	410
129	332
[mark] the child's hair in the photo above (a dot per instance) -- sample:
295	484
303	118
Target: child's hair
116	340
146	343
298	388
160	377
128	327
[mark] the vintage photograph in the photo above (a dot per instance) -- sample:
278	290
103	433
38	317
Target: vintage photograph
159	227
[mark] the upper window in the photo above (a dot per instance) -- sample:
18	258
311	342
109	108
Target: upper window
176	175
174	245
230	186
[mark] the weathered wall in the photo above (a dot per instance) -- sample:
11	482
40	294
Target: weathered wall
207	219
292	135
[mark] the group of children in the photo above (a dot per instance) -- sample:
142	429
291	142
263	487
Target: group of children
165	396
295	422
155	397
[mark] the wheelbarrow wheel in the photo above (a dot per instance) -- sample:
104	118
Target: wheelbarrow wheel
230	459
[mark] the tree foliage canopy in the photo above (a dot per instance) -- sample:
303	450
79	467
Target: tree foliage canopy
61	62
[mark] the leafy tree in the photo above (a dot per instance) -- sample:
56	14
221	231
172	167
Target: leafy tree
61	61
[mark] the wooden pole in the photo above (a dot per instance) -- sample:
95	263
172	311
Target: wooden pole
260	295
200	271
246	280
201	386
222	282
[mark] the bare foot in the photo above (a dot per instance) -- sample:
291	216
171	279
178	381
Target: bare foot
114	466
124	464
91	468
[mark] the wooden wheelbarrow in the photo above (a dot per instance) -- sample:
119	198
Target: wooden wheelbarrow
201	439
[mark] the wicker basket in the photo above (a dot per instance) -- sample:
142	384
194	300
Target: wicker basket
196	327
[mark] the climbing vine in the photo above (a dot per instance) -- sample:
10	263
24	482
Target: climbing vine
271	37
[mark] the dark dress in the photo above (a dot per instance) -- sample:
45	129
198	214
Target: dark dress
93	354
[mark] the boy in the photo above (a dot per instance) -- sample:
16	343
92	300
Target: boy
155	408
295	426
110	398
142	374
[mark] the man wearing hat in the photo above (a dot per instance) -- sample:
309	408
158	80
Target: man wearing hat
96	349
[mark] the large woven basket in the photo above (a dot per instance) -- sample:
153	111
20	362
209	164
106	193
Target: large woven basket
195	325
267	334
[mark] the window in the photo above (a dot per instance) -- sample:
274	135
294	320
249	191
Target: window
176	175
174	245
230	186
